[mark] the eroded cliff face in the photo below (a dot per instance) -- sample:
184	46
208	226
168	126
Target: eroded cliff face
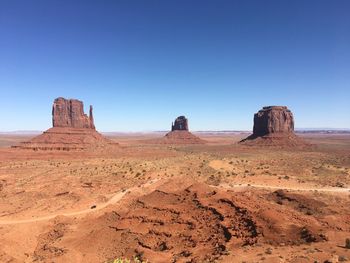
274	126
70	113
72	130
180	124
273	119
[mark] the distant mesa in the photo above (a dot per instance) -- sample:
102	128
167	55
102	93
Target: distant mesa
274	126
180	134
180	124
72	129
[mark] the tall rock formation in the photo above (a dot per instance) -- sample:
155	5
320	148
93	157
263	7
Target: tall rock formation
180	124
70	113
72	130
273	126
91	118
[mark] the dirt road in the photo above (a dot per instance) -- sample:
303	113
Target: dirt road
114	199
120	194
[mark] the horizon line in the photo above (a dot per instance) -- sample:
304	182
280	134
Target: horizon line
159	131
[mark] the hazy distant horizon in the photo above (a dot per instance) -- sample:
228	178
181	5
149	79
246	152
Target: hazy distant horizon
29	132
143	63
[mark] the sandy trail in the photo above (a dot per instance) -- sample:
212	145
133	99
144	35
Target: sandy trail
120	194
114	199
329	190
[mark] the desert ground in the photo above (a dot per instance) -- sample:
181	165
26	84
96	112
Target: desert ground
216	202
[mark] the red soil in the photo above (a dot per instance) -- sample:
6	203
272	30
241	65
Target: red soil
178	137
196	223
282	140
64	138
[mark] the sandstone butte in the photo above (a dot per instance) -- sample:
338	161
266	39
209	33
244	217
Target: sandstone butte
274	126
180	133
72	129
70	113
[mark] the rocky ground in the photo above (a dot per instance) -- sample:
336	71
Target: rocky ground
214	202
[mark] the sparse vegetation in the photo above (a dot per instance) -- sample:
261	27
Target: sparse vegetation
125	260
90	183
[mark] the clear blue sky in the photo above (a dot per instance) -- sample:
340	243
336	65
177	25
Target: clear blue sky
143	63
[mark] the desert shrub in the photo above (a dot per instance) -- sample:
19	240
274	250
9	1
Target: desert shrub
125	260
268	251
342	259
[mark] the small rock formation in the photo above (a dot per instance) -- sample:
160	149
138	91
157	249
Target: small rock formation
180	124
179	133
273	126
72	130
70	113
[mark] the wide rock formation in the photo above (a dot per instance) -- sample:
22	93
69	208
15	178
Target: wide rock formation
70	113
273	126
273	119
72	130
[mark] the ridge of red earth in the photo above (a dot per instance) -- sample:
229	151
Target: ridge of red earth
199	223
